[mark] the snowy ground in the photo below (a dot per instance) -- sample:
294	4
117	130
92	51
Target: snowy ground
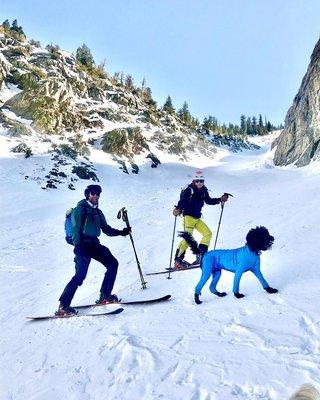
260	347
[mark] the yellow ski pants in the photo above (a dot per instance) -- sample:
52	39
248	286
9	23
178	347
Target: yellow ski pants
189	224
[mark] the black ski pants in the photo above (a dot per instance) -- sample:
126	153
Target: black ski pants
83	255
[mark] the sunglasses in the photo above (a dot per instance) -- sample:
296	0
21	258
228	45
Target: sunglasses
94	193
199	180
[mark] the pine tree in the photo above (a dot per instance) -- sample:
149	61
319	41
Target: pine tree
14	24
121	78
143	84
6	24
243	125
129	82
260	120
269	126
84	56
184	113
168	106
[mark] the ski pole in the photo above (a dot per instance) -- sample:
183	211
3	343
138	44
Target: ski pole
218	229
172	242
124	215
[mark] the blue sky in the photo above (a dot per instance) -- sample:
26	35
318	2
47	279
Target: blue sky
225	58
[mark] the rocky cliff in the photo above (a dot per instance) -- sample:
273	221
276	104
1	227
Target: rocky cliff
299	141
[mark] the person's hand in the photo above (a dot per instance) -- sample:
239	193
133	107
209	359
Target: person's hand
270	290
126	231
176	211
224	198
238	295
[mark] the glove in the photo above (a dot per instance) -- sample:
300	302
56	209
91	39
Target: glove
126	231
270	290
238	295
224	198
176	211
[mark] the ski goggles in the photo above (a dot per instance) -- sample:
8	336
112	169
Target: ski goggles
94	193
199	180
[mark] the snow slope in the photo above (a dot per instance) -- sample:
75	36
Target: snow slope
259	347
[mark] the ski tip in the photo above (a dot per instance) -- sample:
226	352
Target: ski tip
117	311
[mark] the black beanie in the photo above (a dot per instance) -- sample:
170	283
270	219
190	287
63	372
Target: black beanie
92	188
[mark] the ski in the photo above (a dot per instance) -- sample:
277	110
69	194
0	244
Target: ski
114	312
127	303
174	270
188	266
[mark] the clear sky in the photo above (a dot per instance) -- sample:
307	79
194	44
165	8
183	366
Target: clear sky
224	57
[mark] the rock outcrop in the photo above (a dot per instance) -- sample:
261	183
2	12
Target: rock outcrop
299	143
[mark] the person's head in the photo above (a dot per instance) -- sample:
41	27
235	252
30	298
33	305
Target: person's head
92	193
258	239
198	179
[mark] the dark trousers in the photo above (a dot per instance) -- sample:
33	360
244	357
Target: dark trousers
82	260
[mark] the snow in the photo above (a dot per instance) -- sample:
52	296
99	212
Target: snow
259	347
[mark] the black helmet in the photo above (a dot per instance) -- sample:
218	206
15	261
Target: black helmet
91	189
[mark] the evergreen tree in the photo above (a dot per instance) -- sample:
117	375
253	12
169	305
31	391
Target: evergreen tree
84	56
121	78
14	24
129	82
147	94
269	126
243	125
184	113
143	84
254	125
249	126
6	24
168	106
260	120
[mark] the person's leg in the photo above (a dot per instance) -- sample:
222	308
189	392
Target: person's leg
188	226
103	255
82	260
206	233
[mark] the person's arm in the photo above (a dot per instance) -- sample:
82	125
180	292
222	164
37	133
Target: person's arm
109	231
211	200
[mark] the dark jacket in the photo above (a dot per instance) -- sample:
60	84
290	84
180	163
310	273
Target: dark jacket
88	222
192	200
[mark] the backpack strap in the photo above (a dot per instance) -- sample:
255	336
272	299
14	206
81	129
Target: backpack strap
83	220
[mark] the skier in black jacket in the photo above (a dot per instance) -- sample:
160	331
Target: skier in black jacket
192	199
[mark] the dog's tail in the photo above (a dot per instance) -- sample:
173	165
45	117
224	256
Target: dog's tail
306	392
191	242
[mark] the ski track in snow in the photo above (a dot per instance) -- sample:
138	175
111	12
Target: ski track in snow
260	347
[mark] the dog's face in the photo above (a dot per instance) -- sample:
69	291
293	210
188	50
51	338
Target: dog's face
259	239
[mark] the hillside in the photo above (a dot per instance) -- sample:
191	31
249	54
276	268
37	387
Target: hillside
54	106
260	347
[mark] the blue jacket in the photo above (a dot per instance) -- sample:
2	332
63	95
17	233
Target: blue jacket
192	200
236	260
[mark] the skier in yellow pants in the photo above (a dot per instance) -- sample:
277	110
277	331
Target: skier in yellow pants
192	199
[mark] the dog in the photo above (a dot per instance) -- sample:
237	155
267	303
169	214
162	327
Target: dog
239	260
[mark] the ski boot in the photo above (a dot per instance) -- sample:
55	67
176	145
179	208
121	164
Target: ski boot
65	311
112	298
179	263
